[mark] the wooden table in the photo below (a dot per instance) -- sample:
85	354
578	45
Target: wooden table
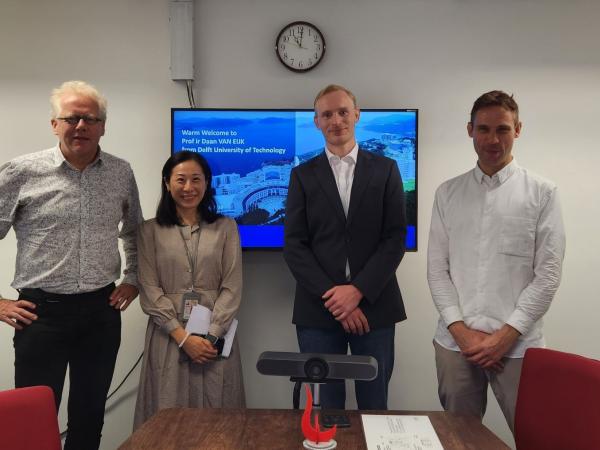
221	429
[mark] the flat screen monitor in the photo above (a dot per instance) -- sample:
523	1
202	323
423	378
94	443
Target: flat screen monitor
252	151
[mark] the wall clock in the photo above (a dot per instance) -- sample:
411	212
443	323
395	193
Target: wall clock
300	46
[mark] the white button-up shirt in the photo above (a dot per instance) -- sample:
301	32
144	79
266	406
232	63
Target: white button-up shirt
343	172
496	246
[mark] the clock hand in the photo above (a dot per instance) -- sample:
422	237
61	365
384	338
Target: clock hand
293	36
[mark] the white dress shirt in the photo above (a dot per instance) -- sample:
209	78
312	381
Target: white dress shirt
496	246
343	172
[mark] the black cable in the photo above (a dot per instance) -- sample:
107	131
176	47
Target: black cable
126	376
187	88
296	395
190	93
62	433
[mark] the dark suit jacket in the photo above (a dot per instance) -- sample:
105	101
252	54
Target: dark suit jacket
319	239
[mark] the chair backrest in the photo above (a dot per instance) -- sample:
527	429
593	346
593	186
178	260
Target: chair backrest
558	404
28	419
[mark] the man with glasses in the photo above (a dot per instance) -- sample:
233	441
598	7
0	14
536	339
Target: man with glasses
66	205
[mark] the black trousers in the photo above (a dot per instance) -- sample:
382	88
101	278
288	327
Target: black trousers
84	332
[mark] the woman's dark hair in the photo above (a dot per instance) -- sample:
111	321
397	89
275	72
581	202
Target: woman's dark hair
166	212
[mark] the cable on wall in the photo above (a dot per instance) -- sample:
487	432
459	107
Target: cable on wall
190	93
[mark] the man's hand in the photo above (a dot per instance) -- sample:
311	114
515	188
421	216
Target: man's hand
16	312
464	336
122	296
492	348
356	323
342	300
466	339
199	349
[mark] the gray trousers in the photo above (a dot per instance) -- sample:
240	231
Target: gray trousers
462	386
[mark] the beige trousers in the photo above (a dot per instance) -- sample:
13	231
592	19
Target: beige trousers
462	386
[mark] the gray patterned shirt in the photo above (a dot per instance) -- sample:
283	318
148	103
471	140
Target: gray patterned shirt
67	221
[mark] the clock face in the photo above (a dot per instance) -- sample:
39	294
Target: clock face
300	46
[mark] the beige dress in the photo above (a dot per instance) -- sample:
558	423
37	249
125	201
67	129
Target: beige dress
164	275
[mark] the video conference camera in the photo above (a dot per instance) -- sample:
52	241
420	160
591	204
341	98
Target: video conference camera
317	367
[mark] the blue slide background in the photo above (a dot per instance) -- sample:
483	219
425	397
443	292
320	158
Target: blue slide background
251	153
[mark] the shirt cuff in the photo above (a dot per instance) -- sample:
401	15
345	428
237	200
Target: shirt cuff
170	325
520	322
451	314
130	279
216	330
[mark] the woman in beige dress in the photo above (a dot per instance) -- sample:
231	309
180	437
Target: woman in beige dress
188	255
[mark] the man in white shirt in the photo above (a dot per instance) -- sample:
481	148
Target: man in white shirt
494	262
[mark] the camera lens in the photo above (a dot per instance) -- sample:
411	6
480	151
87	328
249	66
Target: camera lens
316	369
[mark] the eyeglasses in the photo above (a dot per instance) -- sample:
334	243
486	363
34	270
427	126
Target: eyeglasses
74	120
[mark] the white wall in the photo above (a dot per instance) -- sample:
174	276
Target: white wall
437	56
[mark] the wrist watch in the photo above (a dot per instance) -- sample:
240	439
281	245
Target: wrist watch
217	342
212	339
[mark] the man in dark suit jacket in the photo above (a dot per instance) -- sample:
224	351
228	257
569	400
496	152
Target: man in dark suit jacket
344	239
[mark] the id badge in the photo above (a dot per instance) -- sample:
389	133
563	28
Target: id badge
190	299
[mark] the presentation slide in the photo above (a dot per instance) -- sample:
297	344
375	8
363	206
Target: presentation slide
252	152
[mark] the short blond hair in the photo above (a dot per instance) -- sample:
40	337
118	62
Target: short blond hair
77	87
333	88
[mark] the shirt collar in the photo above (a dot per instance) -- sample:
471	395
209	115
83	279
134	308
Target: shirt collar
352	156
59	158
501	176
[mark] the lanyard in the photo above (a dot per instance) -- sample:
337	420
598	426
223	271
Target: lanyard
192	257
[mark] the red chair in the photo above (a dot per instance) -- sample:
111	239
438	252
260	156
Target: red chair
28	419
558	404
